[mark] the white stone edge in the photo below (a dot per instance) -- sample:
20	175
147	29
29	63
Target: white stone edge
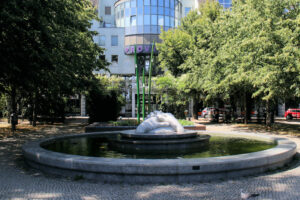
285	150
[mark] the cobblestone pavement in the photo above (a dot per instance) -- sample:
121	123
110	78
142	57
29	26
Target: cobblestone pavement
19	182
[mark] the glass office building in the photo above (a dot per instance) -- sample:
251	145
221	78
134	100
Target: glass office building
225	3
126	23
143	21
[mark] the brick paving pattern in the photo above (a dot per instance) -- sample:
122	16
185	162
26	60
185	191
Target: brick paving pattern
18	182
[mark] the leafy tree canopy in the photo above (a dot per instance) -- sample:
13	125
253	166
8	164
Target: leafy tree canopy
47	48
252	48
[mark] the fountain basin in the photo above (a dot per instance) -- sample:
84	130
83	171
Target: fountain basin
187	142
159	170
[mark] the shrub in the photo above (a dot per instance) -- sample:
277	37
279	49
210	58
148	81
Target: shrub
104	101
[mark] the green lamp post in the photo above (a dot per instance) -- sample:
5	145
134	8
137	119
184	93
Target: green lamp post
137	84
149	80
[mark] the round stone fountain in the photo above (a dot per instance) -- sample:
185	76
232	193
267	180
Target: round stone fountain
159	134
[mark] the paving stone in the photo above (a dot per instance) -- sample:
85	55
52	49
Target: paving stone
19	182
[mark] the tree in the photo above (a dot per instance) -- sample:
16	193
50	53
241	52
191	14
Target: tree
105	99
186	50
250	51
261	52
46	49
171	94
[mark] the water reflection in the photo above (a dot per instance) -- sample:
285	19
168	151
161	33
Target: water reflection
100	147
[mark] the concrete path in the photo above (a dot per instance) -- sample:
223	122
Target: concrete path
19	182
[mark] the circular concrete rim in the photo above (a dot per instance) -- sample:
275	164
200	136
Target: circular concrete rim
133	135
280	155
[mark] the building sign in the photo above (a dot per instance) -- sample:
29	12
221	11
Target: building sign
141	49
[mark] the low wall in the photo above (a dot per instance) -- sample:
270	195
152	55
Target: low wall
160	170
98	128
198	127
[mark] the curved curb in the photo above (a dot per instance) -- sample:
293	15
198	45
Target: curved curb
98	128
160	170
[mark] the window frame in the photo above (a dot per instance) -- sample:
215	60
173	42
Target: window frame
104	41
113	43
106	9
114	58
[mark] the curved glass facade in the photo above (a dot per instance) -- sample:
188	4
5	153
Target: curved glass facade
147	16
143	21
225	3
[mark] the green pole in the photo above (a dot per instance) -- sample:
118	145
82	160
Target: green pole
149	80
143	108
137	85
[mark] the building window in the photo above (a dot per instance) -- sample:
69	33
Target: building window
133	20
161	3
147	2
133	3
127	21
160	10
153	2
140	3
107	10
102	40
147	10
140	20
167	3
187	10
160	20
225	3
146	19
107	25
114	58
154	10
114	40
153	19
133	11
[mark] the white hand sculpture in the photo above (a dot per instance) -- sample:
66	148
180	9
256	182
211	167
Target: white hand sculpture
158	119
150	124
168	117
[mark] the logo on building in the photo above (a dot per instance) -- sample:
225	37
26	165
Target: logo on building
141	49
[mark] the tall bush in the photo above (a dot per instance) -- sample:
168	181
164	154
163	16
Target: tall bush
104	99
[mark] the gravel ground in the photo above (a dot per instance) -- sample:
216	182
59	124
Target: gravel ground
20	182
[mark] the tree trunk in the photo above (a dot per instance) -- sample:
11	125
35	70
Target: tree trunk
34	117
233	108
245	109
13	109
249	106
269	114
258	116
195	106
9	112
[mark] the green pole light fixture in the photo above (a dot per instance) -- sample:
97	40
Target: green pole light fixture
143	108
149	80
137	85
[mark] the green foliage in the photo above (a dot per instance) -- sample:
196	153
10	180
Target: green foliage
171	52
3	105
124	123
186	122
250	51
171	91
49	109
104	99
47	51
